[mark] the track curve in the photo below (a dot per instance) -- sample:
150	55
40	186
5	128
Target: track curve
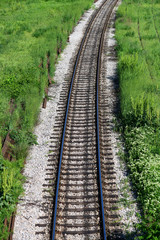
78	210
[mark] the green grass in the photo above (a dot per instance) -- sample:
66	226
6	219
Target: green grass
29	31
139	56
138	48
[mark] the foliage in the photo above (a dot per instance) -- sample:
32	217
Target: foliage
138	48
143	160
30	31
10	188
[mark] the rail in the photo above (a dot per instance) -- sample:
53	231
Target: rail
97	121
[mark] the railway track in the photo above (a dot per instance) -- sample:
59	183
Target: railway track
85	189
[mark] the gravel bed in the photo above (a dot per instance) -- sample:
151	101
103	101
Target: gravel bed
30	208
127	201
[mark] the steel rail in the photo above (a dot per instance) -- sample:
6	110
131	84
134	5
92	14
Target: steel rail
64	130
97	118
65	121
97	128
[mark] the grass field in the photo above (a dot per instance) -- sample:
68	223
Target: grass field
138	48
31	32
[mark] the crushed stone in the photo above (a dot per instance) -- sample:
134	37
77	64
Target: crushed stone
29	207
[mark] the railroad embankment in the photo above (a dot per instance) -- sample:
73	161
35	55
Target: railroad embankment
32	35
138	48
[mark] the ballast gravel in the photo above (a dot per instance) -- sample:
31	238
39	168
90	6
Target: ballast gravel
29	209
127	201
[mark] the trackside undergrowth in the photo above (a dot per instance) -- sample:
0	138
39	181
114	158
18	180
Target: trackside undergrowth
32	35
138	48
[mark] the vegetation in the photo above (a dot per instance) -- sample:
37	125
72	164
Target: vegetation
10	188
138	47
32	32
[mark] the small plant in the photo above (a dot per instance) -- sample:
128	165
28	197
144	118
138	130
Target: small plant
10	188
7	181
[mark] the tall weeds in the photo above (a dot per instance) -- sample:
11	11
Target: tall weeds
138	48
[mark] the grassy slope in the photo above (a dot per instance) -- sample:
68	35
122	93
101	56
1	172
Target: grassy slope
29	30
138	38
